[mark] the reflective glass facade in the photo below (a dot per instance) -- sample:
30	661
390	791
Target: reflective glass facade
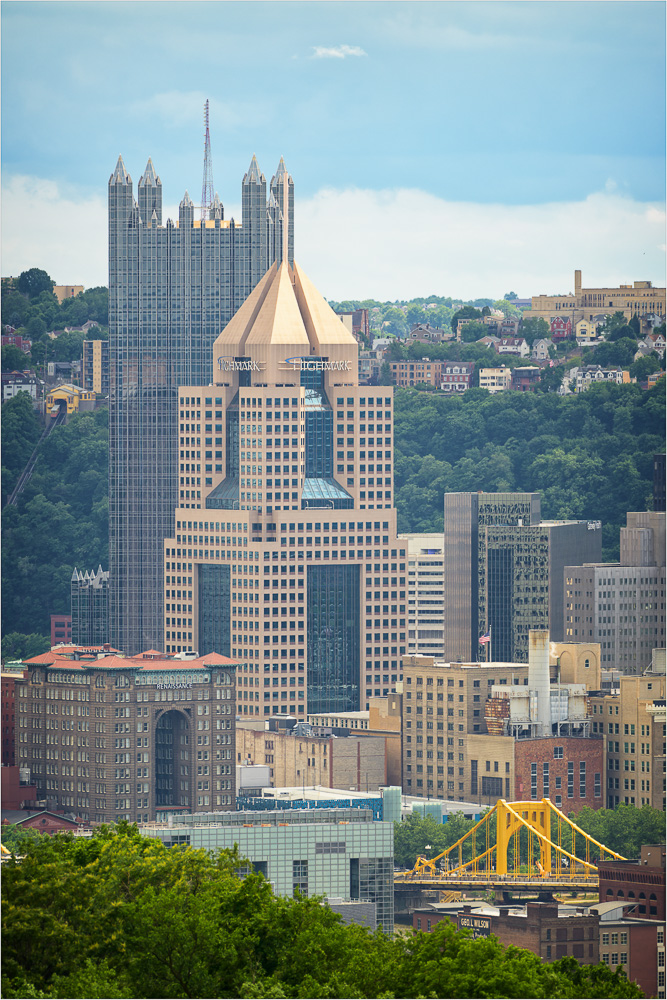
333	629
214	609
172	288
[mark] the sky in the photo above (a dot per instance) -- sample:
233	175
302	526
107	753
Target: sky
464	149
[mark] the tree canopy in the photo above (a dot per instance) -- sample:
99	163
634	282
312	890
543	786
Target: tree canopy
122	916
589	455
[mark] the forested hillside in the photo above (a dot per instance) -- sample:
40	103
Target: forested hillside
589	455
61	519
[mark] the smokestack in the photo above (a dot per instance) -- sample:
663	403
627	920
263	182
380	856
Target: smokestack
538	681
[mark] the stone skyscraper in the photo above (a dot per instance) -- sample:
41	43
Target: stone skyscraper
284	551
172	289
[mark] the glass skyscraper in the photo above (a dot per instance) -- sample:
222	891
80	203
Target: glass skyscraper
284	550
172	289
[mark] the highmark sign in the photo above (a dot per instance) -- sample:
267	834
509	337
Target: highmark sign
238	365
309	364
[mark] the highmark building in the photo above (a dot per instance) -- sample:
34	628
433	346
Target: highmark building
285	552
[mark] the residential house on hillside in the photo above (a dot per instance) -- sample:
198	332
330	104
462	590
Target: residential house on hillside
560	328
540	351
581	378
513	345
457	375
424	333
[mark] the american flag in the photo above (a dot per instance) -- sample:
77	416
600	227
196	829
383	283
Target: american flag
483	639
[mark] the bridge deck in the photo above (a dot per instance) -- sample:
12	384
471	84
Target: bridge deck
524	883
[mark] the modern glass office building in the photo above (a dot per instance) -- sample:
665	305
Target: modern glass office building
504	572
340	853
172	289
284	548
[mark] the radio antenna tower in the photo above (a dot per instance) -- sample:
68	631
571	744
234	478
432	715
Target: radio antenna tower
207	181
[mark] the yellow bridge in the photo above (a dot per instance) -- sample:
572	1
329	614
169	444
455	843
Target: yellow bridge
519	846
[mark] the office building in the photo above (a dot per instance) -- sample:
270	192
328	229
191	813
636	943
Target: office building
341	854
483	731
172	288
495	379
112	737
425	594
593	304
89	605
632	724
61	629
622	605
285	551
504	571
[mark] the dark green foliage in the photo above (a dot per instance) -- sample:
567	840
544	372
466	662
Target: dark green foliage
61	520
623	829
33	282
13	359
589	455
643	367
473	331
467	312
20	433
534	328
619	353
122	916
18	646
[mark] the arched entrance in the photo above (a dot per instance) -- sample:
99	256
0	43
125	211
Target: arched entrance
172	760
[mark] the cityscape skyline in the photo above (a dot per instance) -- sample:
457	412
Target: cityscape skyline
449	172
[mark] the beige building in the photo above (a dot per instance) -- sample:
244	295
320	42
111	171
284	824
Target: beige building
426	594
622	605
285	546
96	366
358	762
495	379
383	718
632	723
594	304
63	292
456	745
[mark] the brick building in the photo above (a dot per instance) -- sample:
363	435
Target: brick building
132	738
9	681
410	373
456	376
61	629
526	378
547	929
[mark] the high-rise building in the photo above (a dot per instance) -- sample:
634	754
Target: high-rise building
504	570
89	596
622	605
172	288
425	594
96	366
285	550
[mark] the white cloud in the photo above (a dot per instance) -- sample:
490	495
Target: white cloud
336	52
405	243
379	244
47	227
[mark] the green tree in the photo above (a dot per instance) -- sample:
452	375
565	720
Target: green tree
620	353
415	314
18	646
622	333
14	309
612	322
473	331
20	433
635	325
466	312
33	282
643	367
13	358
534	328
385	374
35	328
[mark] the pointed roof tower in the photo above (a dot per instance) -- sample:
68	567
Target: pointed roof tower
120	174
187	201
254	174
282	170
149	176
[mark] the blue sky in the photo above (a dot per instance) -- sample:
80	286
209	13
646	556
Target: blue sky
435	147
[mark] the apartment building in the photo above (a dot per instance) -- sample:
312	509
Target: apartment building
425	594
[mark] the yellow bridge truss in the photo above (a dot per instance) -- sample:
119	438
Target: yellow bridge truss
531	843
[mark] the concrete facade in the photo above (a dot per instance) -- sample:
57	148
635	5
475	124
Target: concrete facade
641	298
